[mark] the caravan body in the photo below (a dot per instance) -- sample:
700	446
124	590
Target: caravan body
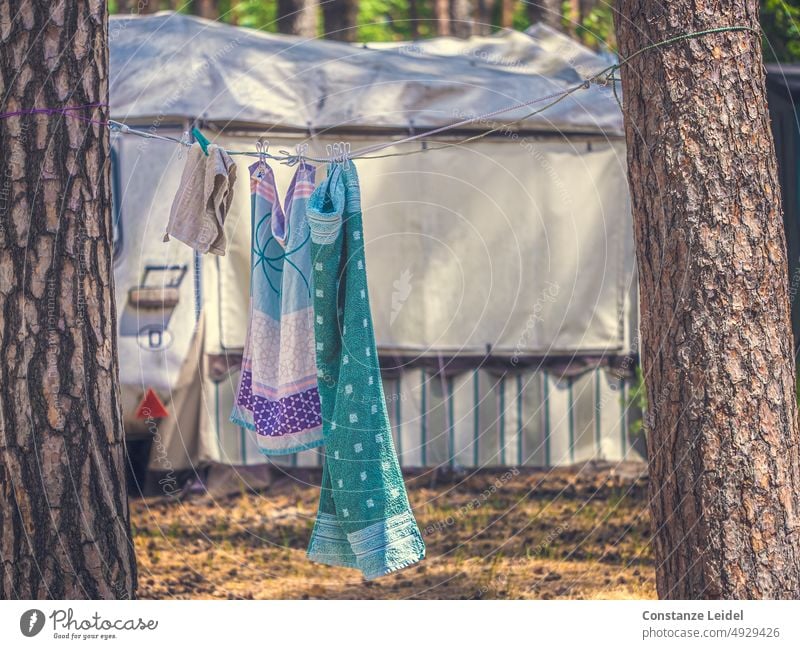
501	271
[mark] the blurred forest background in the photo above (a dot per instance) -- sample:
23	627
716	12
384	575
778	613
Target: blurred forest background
590	21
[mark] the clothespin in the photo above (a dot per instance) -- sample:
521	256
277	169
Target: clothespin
339	152
299	155
201	139
186	141
298	158
262	147
345	152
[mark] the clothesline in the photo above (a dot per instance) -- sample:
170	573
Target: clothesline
365	153
604	78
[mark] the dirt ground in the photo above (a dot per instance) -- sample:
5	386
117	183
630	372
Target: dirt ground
562	534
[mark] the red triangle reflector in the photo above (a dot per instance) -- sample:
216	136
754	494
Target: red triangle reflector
151	407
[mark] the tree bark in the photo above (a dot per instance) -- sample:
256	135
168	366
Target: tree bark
442	12
298	17
64	524
575	16
207	9
340	18
413	19
547	12
462	24
716	338
232	16
507	13
484	12
148	6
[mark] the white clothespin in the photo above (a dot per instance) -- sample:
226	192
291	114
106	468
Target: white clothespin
301	151
262	148
186	142
339	152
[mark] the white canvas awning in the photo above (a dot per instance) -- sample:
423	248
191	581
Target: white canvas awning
171	65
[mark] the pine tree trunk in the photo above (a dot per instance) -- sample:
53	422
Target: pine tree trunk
231	16
207	9
442	12
484	13
64	525
340	19
575	16
507	13
716	339
547	12
413	19
298	17
148	6
462	23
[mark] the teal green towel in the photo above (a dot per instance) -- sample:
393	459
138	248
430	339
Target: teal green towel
364	519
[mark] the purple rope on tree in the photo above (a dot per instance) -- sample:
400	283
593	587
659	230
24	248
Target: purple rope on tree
66	110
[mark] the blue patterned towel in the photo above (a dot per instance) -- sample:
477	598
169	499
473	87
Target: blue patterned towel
277	394
364	519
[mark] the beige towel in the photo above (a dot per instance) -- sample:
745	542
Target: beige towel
204	196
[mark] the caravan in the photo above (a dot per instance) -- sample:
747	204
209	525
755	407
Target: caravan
501	269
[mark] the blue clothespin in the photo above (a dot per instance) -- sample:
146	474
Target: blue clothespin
202	140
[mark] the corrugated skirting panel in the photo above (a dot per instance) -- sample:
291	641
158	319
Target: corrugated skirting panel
478	418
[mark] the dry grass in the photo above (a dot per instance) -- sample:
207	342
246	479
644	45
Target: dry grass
563	534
